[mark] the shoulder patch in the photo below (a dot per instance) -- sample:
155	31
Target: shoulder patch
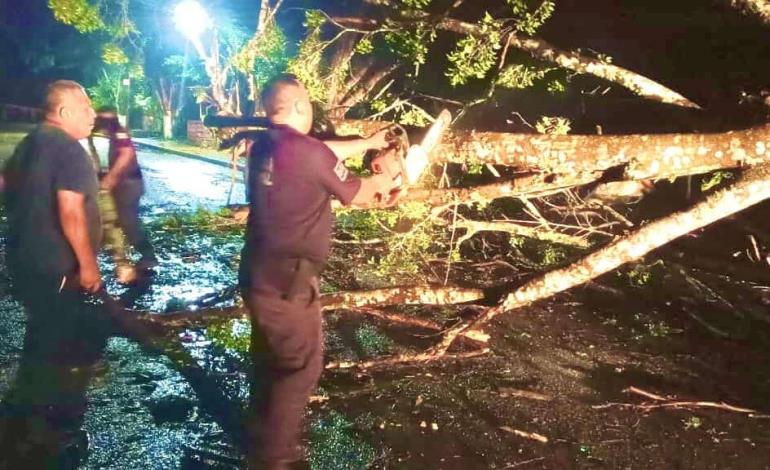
341	171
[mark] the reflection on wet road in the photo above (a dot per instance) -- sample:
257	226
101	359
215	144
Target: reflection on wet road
178	183
142	413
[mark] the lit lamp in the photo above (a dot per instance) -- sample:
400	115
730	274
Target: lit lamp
192	20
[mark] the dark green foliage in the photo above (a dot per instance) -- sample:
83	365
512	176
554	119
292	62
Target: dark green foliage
416	4
371	342
201	221
77	13
527	21
474	56
232	335
334	445
715	180
411	44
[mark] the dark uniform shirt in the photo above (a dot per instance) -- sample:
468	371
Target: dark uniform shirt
119	140
292	178
46	161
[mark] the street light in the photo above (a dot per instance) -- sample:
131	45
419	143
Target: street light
192	20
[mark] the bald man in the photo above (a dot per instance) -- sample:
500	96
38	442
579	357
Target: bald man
53	236
292	179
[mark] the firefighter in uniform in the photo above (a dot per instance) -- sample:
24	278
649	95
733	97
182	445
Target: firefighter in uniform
292	179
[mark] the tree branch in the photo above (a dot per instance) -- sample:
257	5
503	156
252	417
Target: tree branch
752	189
416	295
759	9
540	233
542	50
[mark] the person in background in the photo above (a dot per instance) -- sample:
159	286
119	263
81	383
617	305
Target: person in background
113	236
54	233
123	179
292	179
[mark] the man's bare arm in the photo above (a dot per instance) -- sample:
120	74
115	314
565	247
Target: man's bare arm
72	214
344	149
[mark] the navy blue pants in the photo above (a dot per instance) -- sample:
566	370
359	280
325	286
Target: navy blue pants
287	351
65	336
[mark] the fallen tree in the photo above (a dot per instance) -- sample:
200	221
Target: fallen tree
753	188
642	155
405	295
539	49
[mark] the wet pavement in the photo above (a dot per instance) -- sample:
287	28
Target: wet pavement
559	370
142	412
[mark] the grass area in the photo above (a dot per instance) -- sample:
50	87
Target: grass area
10	135
12	132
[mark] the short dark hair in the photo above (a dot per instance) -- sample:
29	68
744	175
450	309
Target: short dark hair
273	86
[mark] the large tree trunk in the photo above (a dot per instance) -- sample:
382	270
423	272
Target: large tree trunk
642	155
752	189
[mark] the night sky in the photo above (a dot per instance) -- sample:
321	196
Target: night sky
699	48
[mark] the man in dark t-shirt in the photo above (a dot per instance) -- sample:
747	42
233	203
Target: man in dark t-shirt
53	236
292	179
45	160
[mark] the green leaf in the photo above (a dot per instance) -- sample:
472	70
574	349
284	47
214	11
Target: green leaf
113	54
475	55
555	125
79	14
410	44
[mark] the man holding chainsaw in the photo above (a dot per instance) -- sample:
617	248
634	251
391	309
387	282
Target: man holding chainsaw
292	179
53	237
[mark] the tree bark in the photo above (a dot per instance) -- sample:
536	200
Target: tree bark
542	50
759	9
264	11
642	155
417	295
168	125
531	186
412	295
752	189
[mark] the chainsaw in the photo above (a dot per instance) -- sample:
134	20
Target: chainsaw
405	163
